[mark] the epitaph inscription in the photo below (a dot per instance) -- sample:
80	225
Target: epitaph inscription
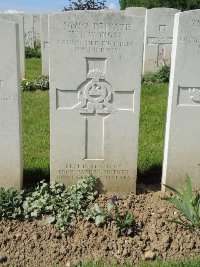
77	171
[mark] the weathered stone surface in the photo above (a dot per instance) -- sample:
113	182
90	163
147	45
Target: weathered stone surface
95	80
36	28
10	107
44	43
19	19
28	30
182	153
158	38
136	11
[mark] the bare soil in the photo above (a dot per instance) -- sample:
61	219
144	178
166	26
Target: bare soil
35	243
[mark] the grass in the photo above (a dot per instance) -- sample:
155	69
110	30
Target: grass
35	115
182	263
158	263
36	135
36	129
33	68
152	130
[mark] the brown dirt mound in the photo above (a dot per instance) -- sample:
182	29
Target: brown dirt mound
34	243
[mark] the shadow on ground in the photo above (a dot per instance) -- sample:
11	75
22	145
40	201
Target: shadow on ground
151	176
33	176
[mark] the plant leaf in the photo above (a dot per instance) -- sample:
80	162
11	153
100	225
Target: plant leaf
179	222
96	207
99	219
173	190
50	219
110	206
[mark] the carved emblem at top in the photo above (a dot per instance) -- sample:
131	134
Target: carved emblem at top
95	94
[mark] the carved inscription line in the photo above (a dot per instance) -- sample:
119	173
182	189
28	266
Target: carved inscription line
6	98
159	40
98	26
100	46
195	22
2	82
95	43
85	172
189	39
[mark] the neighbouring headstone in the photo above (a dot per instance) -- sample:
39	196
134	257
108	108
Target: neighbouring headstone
36	28
28	30
158	38
95	80
44	43
182	153
19	19
10	107
136	11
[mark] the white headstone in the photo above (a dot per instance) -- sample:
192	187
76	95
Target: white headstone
158	38
44	43
10	107
136	11
19	19
182	153
28	30
36	27
95	80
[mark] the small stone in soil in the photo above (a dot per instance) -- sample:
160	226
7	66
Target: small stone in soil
149	255
162	210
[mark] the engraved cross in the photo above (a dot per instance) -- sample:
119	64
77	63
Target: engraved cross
95	97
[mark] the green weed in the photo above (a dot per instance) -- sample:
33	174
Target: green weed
10	204
160	76
54	201
33	52
188	205
125	223
40	83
